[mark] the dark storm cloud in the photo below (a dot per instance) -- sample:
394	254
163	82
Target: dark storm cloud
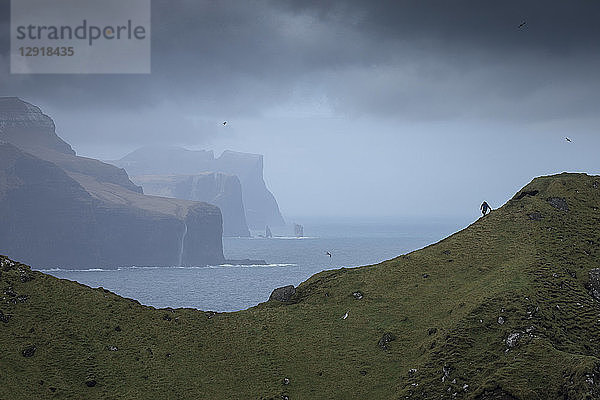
442	59
415	60
428	97
551	25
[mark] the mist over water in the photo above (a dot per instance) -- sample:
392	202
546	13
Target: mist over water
289	261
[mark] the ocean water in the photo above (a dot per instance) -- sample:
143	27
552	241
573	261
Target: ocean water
290	261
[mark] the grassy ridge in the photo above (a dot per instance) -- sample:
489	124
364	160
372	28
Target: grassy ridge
527	263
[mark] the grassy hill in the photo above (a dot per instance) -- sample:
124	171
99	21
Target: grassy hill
499	310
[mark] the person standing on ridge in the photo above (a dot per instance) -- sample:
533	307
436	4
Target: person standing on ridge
485	208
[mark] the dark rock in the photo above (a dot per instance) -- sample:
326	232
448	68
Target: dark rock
283	294
4	318
535	216
594	283
117	328
530	193
432	331
385	339
52	389
560	203
446	252
29	351
90	383
363	372
357	295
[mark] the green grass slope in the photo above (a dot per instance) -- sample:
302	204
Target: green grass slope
499	310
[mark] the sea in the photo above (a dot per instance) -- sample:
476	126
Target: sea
289	261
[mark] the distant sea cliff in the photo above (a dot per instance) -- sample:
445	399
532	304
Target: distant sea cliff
61	210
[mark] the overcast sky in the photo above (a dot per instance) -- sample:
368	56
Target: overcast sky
361	108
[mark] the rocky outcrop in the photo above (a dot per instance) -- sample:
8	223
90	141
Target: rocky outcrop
283	294
260	205
24	125
386	339
560	203
593	283
58	209
216	188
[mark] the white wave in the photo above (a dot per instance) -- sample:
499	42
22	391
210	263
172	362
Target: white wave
257	265
294	237
78	270
135	267
275	237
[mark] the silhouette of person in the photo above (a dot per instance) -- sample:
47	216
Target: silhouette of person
485	208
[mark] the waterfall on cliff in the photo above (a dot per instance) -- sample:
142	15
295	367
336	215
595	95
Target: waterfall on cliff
185	231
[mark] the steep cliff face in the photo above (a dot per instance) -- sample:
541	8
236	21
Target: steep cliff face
216	188
57	209
259	203
25	126
51	220
261	206
43	212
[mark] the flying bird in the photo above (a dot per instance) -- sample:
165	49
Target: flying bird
345	315
224	123
568	140
328	254
522	24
